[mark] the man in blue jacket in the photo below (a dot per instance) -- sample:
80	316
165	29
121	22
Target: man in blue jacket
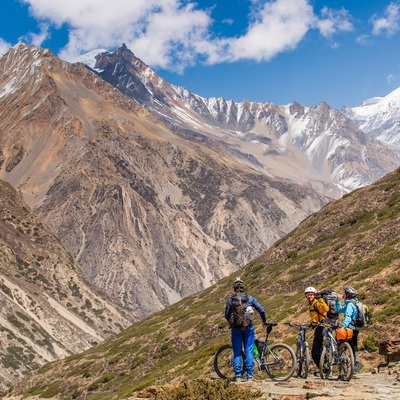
349	309
239	312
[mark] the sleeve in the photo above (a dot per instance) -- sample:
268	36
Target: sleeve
228	308
254	303
340	309
322	307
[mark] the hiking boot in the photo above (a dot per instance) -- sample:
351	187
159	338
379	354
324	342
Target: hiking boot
357	367
327	372
237	379
249	379
316	373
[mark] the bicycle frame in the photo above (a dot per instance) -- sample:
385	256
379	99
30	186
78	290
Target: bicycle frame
301	339
336	353
302	349
277	360
331	342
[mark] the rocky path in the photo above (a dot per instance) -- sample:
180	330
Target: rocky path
366	386
384	385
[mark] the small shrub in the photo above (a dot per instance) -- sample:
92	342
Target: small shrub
370	343
204	389
394	279
51	391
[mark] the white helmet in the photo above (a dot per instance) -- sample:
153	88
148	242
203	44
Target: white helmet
238	284
310	289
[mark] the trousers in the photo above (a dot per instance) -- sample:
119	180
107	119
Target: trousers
243	340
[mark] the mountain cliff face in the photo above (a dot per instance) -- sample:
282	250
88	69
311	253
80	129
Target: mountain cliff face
315	146
149	216
379	117
47	311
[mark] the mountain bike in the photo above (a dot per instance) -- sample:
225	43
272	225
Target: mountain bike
337	358
302	350
277	360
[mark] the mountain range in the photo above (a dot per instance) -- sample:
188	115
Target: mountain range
316	146
156	193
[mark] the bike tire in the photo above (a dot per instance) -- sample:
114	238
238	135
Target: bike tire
346	363
344	369
303	363
299	361
325	363
280	362
223	361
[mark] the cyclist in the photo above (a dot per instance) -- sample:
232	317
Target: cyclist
318	312
349	309
242	334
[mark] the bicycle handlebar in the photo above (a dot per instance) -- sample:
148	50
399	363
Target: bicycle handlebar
325	325
296	324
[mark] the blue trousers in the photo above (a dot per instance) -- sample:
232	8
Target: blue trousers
243	339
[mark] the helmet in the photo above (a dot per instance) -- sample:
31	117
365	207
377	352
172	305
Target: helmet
238	284
310	289
350	292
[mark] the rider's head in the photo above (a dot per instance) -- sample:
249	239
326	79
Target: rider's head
310	293
350	292
238	285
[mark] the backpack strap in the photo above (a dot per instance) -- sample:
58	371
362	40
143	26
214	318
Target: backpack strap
319	312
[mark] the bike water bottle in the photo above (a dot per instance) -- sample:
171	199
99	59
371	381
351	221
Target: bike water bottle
256	353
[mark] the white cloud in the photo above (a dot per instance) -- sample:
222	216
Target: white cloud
37	38
334	21
174	34
159	31
4	46
364	39
278	26
391	78
389	23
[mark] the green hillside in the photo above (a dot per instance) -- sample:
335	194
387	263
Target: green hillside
355	240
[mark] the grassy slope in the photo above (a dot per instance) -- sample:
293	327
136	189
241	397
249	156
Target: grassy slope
355	240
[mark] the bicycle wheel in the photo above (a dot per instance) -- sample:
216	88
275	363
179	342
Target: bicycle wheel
337	366
346	362
303	361
280	362
223	361
326	363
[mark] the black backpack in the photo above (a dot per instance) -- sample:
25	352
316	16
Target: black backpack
241	317
329	297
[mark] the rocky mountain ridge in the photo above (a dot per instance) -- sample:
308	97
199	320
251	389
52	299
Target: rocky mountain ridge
316	146
47	311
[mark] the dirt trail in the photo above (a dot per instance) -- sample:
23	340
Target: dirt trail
364	386
383	385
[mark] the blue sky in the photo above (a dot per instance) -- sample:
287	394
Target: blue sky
342	52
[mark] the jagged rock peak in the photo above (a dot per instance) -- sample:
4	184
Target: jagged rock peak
124	55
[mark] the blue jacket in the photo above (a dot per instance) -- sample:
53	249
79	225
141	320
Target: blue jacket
252	302
349	309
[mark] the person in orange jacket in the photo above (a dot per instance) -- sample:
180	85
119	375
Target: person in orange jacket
318	312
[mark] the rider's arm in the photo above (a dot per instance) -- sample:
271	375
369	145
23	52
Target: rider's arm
254	303
340	309
228	308
322	307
